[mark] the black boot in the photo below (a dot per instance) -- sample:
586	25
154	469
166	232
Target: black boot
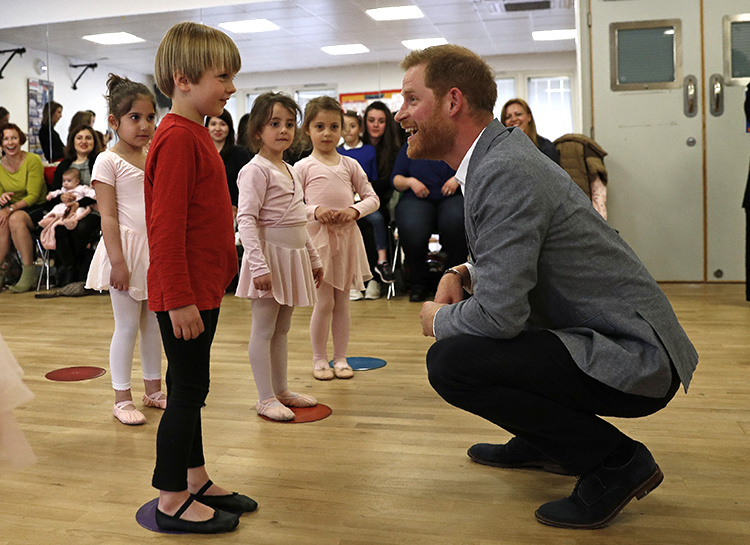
600	494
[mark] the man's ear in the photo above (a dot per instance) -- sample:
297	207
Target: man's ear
181	81
455	100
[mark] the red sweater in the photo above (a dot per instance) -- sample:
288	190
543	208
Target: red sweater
189	218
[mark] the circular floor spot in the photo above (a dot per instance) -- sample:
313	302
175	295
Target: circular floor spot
363	363
305	414
146	517
71	374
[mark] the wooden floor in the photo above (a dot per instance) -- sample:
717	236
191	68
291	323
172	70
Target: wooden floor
388	467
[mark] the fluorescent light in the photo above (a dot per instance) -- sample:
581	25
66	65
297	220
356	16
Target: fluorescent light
396	13
249	25
552	35
113	38
423	43
346	49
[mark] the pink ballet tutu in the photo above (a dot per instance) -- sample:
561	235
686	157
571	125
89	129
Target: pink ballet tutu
15	451
343	254
135	250
292	281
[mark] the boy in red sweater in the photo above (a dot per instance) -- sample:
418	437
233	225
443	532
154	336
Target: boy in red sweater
192	260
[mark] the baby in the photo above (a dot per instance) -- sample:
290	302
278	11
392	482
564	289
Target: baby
71	187
62	213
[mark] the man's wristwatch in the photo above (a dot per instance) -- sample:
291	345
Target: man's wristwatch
10	208
451	270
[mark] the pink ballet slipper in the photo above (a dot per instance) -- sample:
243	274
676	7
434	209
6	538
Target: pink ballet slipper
322	371
274	411
293	399
132	417
154	401
341	368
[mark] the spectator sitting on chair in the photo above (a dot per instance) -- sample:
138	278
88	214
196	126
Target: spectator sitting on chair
431	202
22	188
73	255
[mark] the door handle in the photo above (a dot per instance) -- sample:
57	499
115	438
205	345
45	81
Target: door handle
690	96
716	95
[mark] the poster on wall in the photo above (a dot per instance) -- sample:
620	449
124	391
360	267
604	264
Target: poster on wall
359	101
40	92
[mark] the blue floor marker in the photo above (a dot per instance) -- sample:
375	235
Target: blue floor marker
363	363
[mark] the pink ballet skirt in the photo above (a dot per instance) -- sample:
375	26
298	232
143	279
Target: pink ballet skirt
135	250
292	281
15	451
342	252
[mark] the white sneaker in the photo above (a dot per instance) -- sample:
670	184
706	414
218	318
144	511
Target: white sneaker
373	290
355	295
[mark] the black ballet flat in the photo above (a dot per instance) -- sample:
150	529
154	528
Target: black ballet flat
220	523
234	502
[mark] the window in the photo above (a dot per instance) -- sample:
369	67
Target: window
645	55
551	103
506	89
737	49
303	97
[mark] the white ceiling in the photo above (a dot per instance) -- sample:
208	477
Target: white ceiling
306	25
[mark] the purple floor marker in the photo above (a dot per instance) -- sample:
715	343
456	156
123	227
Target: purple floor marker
146	517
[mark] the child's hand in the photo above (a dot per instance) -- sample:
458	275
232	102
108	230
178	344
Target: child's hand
49	196
347	215
119	277
186	322
5	198
67	198
325	215
263	282
318	275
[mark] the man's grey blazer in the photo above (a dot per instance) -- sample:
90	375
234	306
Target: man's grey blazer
545	259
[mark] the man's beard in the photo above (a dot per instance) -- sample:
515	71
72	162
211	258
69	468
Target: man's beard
434	139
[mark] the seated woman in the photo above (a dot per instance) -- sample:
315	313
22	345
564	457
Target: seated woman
382	133
22	188
431	202
517	113
71	257
50	141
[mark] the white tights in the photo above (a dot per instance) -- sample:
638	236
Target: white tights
267	348
332	308
132	316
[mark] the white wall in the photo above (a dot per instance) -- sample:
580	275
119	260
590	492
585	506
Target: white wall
388	76
88	96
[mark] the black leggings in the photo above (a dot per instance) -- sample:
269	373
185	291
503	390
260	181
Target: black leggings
531	387
179	440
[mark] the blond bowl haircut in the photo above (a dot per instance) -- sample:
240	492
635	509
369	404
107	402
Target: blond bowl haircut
448	66
193	49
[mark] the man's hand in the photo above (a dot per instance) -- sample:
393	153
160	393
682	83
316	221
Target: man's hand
427	315
450	290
